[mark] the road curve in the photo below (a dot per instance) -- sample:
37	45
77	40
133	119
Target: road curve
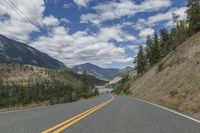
121	114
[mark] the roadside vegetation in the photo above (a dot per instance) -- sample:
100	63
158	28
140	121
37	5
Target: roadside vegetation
161	44
21	85
122	87
158	46
168	67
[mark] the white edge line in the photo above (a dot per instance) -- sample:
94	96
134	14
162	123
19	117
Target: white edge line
175	112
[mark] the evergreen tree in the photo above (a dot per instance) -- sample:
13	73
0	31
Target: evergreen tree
155	49
85	87
193	15
158	47
140	61
164	41
149	47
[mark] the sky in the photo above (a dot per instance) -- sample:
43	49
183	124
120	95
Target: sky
102	32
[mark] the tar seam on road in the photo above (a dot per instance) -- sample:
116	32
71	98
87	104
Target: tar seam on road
63	125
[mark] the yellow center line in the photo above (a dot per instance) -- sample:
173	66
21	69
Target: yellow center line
76	118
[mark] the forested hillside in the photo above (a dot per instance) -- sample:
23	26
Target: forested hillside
25	84
17	52
160	45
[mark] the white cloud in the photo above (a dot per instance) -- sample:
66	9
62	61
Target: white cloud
167	16
114	10
64	20
160	17
116	33
50	21
145	32
65	6
79	47
81	3
15	26
76	48
132	47
82	47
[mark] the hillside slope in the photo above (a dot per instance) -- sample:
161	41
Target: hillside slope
24	85
99	72
13	51
18	73
175	80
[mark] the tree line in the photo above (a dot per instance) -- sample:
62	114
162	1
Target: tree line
57	88
122	87
159	45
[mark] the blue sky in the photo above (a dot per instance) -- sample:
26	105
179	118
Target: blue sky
103	32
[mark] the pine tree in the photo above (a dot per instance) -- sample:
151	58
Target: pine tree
140	61
193	15
156	49
85	87
149	46
164	41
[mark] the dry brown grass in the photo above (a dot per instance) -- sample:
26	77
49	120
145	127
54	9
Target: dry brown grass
175	81
17	72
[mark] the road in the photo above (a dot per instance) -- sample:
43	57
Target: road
118	114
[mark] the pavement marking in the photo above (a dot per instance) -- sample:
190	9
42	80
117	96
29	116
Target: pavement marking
67	121
60	127
175	112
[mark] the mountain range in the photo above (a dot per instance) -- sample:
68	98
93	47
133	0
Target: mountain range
99	72
12	51
17	52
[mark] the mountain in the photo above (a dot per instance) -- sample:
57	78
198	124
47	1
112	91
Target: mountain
174	81
12	51
99	72
95	81
126	70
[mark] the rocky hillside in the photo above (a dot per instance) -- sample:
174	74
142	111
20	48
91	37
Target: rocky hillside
24	85
99	72
12	51
175	80
19	73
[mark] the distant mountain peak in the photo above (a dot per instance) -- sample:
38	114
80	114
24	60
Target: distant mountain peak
97	71
12	51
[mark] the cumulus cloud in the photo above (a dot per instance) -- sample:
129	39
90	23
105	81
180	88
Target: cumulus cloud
81	47
145	32
50	21
64	20
133	48
65	6
17	23
76	48
15	26
81	3
114	10
160	17
115	32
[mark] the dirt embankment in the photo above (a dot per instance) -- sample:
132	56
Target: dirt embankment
175	81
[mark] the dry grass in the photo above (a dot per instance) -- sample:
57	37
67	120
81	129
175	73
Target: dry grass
17	72
175	81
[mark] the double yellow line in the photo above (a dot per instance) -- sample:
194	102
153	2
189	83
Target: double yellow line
62	126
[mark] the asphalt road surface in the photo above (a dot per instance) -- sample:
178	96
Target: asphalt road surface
102	114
